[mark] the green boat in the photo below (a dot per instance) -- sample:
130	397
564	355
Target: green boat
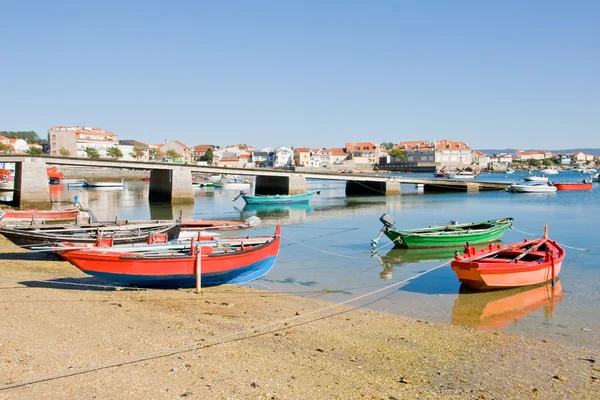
454	235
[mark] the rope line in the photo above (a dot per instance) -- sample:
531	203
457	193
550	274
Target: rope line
238	335
323	251
562	244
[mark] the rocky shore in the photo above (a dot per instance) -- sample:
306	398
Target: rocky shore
64	335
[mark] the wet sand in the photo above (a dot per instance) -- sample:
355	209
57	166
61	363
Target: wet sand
61	339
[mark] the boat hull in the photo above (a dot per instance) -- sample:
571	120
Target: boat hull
278	199
573	186
543	188
166	270
500	272
45	215
232	185
426	238
48	235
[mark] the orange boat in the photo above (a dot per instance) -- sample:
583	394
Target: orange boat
11	215
518	264
573	185
54	173
495	309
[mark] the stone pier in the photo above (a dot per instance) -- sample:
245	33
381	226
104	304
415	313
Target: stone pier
31	184
295	184
171	186
359	188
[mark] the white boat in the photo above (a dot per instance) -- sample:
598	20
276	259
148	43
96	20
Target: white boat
549	171
534	187
462	175
232	185
510	171
596	177
535	178
7	185
215	178
121	183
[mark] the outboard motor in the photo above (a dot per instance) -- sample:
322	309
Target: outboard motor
388	222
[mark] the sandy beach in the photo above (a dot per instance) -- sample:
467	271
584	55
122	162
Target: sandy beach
63	335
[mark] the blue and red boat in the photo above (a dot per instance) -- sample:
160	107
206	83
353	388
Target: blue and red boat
221	261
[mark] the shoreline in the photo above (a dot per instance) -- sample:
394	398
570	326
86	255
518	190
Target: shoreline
235	342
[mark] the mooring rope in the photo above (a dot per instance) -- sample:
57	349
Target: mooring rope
323	251
235	336
562	244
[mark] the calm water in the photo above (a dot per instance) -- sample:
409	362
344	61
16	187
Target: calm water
326	252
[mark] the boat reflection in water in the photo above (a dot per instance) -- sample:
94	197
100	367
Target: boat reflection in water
290	212
495	309
398	256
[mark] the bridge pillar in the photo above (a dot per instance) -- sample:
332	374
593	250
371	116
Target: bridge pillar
360	188
294	184
31	184
171	186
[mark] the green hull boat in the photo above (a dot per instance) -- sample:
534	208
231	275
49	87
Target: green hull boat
455	235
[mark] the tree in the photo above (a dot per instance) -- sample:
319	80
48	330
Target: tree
388	145
172	153
137	153
64	152
34	151
547	162
92	153
28	136
209	155
533	162
397	153
5	148
114	152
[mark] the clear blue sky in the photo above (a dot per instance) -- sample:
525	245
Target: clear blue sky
519	74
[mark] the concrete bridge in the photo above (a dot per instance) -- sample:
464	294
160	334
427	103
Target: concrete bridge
173	182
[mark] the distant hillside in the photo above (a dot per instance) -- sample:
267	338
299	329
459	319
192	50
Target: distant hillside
594	152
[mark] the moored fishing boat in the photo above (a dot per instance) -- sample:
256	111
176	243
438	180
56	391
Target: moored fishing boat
233	185
35	235
462	175
120	183
234	261
504	266
276	198
535	178
532	187
10	215
585	185
453	235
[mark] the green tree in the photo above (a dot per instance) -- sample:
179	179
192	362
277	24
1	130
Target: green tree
547	162
92	153
152	153
137	153
114	152
533	162
5	148
173	154
28	136
34	151
388	145
209	156
397	153
64	152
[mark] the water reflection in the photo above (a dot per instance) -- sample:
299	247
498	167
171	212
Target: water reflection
496	309
398	257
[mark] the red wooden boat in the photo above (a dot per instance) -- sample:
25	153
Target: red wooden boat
573	185
167	266
54	173
11	215
519	264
